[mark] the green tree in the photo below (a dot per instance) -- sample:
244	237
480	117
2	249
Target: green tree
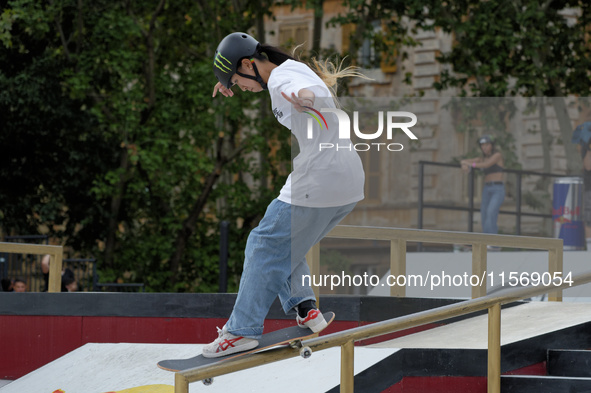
519	48
164	163
501	48
44	137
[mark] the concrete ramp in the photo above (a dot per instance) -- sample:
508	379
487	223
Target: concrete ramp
131	368
518	323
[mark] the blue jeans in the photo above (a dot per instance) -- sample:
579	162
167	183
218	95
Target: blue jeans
275	262
493	196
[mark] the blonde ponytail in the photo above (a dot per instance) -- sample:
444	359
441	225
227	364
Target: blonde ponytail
330	73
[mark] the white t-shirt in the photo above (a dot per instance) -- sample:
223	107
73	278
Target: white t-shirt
324	177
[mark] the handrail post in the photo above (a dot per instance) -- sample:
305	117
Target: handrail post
55	271
479	268
313	259
398	265
494	349
347	367
181	384
555	265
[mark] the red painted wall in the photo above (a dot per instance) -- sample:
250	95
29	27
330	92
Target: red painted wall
29	342
439	385
455	384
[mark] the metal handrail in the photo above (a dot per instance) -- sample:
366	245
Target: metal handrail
470	208
56	254
399	237
347	337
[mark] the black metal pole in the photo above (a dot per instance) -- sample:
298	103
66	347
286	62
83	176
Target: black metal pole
224	252
95	277
420	212
420	207
3	267
471	201
518	207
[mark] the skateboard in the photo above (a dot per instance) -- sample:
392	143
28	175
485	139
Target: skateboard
291	336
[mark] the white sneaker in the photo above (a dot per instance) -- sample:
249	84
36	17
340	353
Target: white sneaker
314	321
227	344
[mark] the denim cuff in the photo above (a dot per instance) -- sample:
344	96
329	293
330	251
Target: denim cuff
255	333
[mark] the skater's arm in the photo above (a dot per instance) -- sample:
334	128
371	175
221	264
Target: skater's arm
305	98
469	162
488	161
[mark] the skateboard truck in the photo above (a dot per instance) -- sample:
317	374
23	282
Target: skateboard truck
305	351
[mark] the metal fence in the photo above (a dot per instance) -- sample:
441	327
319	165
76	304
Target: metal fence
28	268
518	212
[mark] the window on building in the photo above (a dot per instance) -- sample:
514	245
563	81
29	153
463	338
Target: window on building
291	36
367	55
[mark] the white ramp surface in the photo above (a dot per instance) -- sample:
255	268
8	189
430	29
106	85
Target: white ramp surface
517	323
102	368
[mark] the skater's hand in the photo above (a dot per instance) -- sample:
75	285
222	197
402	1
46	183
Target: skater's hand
223	90
300	103
465	166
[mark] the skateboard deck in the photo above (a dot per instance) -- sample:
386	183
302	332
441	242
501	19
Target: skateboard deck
268	340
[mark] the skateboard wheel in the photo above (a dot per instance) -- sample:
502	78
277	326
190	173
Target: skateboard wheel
305	352
208	381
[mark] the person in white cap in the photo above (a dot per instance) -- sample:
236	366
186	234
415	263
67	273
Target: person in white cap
493	191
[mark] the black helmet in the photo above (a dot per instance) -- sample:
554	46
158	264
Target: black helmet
231	50
485	139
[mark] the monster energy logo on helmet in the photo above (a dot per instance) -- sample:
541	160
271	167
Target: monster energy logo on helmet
230	52
219	63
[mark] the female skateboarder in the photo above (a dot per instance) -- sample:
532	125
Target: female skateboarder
322	189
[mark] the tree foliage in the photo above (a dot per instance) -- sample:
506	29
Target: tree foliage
110	135
110	140
519	48
501	48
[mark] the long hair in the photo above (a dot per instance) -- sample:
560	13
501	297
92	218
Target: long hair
326	70
273	54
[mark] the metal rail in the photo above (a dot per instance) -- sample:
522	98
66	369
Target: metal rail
55	254
518	213
346	338
399	237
